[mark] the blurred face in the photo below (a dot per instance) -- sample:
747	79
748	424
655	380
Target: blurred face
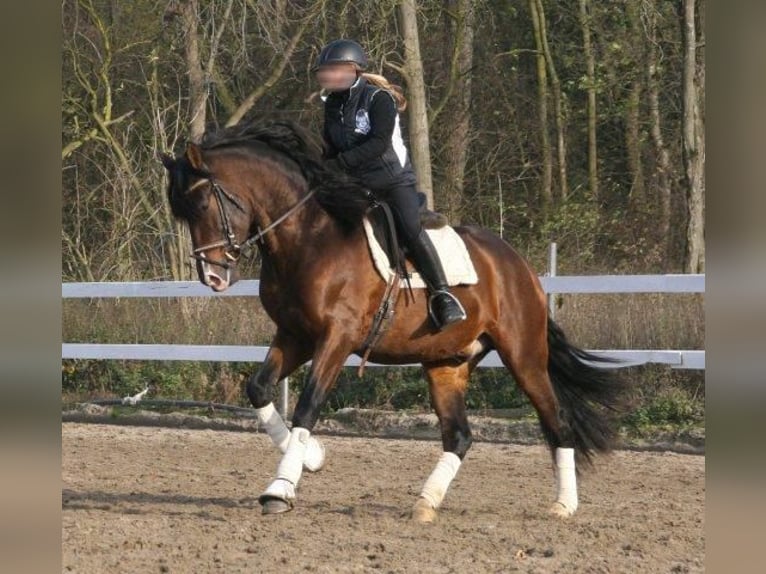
336	77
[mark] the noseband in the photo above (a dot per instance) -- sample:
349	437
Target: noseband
232	248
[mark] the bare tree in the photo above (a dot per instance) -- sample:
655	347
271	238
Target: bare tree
693	145
633	129
276	73
661	153
199	73
558	103
416	91
460	19
590	66
111	162
546	183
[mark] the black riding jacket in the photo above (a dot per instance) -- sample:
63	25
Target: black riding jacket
361	130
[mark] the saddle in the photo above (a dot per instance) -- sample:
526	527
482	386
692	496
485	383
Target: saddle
389	258
385	232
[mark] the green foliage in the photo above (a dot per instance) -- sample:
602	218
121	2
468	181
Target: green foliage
494	389
667	399
673	406
577	227
392	388
217	382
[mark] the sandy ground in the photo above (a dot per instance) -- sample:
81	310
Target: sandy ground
143	499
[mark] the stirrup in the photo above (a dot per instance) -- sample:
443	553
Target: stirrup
454	299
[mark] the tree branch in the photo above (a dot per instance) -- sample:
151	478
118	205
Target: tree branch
276	73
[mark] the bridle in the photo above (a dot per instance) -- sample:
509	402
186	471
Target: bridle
232	248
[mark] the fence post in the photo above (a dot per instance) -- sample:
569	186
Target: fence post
284	385
551	297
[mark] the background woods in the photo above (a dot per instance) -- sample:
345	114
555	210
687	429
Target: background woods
575	121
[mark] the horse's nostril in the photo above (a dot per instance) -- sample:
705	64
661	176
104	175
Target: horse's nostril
216	282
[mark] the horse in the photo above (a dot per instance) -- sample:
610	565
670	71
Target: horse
266	183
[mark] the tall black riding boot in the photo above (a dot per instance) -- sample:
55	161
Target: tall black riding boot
443	306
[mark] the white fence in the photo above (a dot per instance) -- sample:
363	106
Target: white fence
679	359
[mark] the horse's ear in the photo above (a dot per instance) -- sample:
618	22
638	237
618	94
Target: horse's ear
168	161
194	155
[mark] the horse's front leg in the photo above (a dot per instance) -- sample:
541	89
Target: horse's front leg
285	355
327	362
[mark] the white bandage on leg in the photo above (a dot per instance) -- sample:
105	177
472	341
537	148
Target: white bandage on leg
281	489
314	455
437	484
274	425
291	465
566	479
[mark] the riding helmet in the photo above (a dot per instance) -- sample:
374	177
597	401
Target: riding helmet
340	51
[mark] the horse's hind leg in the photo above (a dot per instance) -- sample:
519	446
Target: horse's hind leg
527	358
447	385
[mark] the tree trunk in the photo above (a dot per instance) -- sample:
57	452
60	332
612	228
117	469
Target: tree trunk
178	247
590	64
546	194
189	12
693	147
661	154
558	105
633	144
633	131
199	73
457	138
416	95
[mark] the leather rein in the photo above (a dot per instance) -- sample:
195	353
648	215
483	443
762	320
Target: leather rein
232	248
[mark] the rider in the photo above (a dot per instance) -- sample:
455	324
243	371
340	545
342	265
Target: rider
362	137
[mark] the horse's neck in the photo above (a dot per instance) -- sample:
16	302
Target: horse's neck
288	245
272	193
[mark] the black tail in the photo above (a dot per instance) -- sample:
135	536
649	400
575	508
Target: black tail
589	396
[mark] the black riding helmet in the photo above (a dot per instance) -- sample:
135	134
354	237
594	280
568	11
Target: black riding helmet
340	51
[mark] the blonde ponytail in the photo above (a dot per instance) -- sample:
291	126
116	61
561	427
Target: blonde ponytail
393	89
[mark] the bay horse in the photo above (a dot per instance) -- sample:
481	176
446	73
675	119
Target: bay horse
266	183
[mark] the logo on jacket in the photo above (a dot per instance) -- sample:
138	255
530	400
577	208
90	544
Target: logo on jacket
362	122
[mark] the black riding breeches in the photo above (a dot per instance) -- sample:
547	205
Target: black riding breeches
405	206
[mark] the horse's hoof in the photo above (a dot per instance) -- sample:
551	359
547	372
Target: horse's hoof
423	512
560	510
315	455
274	505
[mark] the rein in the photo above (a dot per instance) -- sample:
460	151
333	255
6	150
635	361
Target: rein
229	241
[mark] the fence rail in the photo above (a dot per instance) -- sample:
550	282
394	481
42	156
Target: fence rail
680	359
251	287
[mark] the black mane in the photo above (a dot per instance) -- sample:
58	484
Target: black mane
344	198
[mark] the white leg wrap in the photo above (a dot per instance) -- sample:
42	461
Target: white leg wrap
281	489
274	425
566	479
437	484
314	455
291	465
271	421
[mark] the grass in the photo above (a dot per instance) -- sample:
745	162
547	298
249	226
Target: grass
664	397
